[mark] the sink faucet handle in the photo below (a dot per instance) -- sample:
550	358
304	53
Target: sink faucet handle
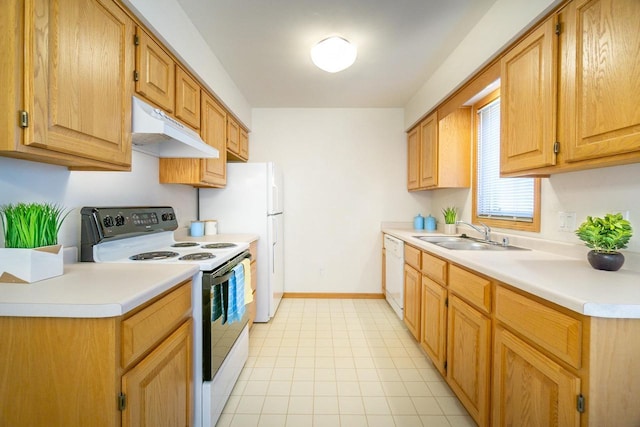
487	231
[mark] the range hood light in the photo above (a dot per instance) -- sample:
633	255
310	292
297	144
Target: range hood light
157	134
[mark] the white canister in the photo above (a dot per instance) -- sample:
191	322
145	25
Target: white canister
210	227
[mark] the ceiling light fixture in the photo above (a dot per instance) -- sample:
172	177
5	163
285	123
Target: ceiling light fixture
333	54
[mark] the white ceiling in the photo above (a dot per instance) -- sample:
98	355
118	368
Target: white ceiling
264	46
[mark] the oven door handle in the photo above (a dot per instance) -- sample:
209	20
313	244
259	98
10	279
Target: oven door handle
221	279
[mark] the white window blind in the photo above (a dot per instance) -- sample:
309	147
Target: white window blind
500	198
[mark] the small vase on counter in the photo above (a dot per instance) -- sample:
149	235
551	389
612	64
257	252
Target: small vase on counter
450	229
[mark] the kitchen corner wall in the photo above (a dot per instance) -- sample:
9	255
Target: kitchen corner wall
592	192
345	173
22	181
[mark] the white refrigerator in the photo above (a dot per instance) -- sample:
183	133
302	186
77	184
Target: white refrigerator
252	202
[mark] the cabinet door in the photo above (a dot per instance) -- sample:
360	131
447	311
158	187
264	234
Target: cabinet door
79	96
429	152
412	300
454	149
413	159
214	133
468	358
530	389
600	73
158	389
528	101
187	99
244	144
433	337
156	72
233	136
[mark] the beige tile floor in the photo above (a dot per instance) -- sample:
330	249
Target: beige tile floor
330	362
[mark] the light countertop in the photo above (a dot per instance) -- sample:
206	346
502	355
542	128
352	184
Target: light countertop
92	290
567	281
182	234
101	289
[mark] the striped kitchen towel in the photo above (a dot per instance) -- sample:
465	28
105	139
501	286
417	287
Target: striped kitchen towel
217	303
236	309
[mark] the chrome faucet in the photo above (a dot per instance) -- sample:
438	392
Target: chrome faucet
486	230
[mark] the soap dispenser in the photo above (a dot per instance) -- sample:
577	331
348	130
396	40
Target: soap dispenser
418	222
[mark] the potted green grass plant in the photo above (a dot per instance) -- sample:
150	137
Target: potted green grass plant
450	214
605	236
31	250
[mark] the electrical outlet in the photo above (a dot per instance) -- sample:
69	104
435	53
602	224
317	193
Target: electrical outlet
567	221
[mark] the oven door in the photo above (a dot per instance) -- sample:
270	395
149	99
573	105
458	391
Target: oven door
219	335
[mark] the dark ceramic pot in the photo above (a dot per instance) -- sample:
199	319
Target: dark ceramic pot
608	261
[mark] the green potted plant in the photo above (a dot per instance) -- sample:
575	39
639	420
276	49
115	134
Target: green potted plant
450	214
605	236
31	250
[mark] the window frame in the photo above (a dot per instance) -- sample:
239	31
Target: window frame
534	225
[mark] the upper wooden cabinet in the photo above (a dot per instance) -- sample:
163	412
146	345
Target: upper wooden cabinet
428	176
439	152
413	159
528	101
202	172
599	75
187	99
73	101
237	141
155	72
582	71
244	144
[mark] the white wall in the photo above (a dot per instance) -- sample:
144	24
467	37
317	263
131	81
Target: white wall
503	23
593	192
345	172
22	181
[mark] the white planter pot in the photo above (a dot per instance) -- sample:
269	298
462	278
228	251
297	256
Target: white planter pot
30	265
449	229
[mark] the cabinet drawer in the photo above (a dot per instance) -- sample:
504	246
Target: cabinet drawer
558	333
253	249
147	327
473	288
412	256
434	268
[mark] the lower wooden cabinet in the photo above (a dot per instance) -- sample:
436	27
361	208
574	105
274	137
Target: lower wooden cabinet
514	359
412	299
158	389
433	330
529	389
102	372
469	357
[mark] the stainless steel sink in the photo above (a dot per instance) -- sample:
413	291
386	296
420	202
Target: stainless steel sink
438	239
459	243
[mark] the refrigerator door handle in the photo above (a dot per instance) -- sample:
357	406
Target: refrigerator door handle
275	241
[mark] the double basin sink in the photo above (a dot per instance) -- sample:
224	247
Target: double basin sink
464	243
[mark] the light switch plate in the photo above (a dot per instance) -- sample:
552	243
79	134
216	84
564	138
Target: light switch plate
567	221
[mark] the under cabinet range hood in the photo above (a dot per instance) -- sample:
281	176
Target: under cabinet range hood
157	134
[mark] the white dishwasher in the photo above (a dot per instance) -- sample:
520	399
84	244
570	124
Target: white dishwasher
394	273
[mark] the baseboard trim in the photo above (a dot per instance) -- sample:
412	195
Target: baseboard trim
332	295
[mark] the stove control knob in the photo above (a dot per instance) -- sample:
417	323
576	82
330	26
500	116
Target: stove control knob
119	221
107	221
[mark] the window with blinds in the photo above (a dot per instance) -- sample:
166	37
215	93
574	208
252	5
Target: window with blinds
507	199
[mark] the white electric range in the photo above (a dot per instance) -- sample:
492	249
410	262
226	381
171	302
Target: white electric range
145	235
